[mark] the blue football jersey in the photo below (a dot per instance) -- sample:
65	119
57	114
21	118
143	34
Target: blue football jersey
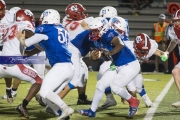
82	42
56	46
121	58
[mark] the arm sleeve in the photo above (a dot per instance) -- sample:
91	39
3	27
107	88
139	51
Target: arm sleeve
36	38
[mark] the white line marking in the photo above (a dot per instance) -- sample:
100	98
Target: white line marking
152	110
151	80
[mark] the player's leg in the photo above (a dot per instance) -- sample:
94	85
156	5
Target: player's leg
14	88
28	74
121	80
35	80
40	68
141	90
176	76
49	85
101	85
136	86
110	101
64	89
81	85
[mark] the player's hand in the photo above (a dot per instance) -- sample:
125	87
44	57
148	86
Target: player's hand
164	57
84	25
106	52
95	54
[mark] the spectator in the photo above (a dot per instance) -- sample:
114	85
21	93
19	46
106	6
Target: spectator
157	35
139	4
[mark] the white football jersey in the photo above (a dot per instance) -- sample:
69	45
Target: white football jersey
4	22
11	45
173	35
74	27
154	47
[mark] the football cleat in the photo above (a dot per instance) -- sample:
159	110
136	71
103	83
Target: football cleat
176	104
110	101
51	111
9	96
40	100
13	93
84	101
22	111
133	107
132	111
65	113
88	112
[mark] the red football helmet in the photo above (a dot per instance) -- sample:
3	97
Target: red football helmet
142	46
25	15
176	19
2	8
75	11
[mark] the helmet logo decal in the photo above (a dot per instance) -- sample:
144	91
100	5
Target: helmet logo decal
45	13
103	21
74	8
115	20
138	39
28	12
104	11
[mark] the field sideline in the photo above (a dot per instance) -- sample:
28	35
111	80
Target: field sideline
154	84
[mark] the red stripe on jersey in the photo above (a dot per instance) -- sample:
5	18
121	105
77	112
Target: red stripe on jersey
29	72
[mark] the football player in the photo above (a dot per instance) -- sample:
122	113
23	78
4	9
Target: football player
174	34
13	69
110	44
53	38
142	45
73	23
6	18
109	12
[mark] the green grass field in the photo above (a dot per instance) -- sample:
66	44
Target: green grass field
154	84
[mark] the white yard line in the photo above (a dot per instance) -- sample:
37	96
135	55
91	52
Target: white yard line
152	110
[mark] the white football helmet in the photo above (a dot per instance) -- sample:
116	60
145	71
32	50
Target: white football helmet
108	12
100	24
50	16
14	9
118	23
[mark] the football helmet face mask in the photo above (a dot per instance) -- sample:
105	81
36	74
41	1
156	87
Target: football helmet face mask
50	16
14	9
2	9
176	20
119	24
141	46
108	12
75	11
98	26
25	15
